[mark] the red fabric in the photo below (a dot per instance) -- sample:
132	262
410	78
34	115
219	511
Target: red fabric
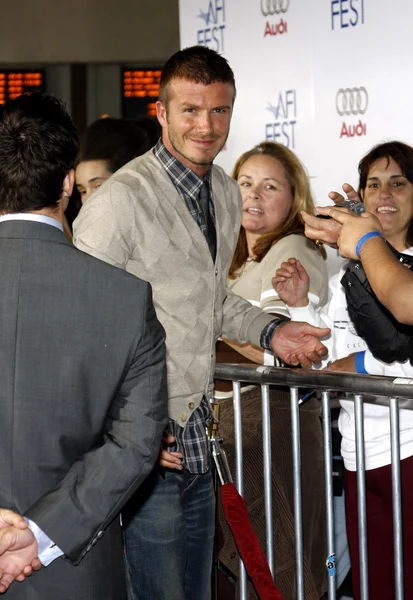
247	542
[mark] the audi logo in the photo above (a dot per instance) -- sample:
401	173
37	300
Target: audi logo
352	101
274	7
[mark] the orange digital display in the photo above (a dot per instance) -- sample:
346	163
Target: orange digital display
140	90
15	83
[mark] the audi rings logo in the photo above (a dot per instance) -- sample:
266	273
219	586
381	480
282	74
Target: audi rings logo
352	101
274	7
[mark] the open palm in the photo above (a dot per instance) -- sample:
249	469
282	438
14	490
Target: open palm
298	343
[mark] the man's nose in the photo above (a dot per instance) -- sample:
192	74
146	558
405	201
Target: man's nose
205	123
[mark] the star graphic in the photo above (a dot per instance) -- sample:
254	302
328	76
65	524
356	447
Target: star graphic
204	16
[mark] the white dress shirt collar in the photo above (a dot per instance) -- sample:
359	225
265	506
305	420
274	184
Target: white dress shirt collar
32	217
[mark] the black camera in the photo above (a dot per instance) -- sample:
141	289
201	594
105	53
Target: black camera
356	206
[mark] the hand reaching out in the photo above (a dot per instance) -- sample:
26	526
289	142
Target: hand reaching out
291	282
349	191
352	228
298	343
328	230
323	230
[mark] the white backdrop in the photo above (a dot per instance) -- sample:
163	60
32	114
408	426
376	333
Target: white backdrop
299	65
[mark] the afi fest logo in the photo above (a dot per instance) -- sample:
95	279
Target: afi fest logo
346	13
272	10
352	102
212	33
281	129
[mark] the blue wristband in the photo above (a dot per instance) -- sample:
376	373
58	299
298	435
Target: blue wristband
364	239
360	368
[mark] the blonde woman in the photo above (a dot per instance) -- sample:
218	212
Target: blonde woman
275	188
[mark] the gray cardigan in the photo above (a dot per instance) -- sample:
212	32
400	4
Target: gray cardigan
137	221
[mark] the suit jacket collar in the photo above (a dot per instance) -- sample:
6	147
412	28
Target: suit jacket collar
32	230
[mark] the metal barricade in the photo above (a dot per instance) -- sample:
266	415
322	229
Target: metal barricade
324	382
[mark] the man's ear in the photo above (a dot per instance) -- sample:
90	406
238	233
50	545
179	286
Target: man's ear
161	113
68	183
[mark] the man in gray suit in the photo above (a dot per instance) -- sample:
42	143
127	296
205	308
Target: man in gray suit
83	399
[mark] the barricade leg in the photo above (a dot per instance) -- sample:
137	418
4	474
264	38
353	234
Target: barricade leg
239	475
328	473
266	440
298	521
397	498
361	497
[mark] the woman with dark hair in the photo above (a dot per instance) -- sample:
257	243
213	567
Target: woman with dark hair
152	128
389	157
386	188
275	189
106	146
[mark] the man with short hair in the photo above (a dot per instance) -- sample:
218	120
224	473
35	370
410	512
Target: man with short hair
173	218
83	399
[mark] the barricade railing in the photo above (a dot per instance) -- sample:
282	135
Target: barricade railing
324	382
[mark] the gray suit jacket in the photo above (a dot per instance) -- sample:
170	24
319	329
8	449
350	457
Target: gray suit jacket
83	404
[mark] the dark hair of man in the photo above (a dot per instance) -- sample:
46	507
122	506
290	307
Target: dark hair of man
402	154
116	141
38	147
198	64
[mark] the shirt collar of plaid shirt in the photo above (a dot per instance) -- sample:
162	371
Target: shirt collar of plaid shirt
181	176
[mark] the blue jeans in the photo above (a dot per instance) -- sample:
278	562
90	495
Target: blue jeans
169	536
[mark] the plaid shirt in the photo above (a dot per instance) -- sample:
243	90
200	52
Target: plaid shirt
192	439
188	185
268	332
